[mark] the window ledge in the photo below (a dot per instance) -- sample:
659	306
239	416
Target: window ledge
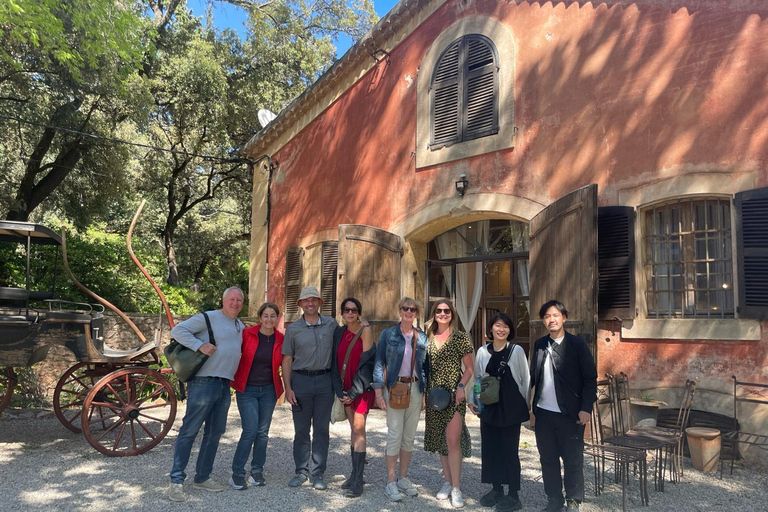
692	329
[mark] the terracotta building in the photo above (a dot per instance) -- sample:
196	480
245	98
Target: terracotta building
611	154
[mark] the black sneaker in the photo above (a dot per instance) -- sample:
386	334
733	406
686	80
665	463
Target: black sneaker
491	498
257	479
572	505
509	504
554	505
238	483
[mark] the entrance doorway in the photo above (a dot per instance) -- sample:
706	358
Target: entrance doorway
483	267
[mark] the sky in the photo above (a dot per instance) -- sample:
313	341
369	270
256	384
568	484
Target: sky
226	15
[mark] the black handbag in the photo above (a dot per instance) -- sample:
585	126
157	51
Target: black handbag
439	398
185	361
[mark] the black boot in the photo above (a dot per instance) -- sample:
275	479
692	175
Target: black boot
348	482
358	466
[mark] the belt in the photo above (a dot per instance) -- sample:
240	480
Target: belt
223	379
312	373
407	379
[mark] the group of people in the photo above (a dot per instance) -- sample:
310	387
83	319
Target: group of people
317	362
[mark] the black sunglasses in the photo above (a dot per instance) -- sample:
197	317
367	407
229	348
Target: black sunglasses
444	311
350	310
410	309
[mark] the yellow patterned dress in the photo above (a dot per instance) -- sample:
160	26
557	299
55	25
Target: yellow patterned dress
445	372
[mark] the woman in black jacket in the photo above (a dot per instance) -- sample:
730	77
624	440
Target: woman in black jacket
353	359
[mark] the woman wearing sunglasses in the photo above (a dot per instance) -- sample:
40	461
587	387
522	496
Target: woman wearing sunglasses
500	421
399	360
352	367
449	363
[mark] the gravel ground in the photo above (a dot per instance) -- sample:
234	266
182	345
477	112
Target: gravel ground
43	466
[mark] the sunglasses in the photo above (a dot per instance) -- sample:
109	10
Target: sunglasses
409	309
443	311
350	310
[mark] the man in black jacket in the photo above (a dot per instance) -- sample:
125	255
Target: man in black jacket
564	379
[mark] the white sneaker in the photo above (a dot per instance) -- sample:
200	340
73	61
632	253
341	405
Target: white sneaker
392	492
457	500
176	492
406	486
444	491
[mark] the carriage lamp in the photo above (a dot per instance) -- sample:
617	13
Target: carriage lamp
461	184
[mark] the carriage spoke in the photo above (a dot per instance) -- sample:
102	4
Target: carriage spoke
119	399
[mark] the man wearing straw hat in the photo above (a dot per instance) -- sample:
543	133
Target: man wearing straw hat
308	387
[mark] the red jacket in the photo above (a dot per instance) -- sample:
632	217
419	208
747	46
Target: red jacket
250	344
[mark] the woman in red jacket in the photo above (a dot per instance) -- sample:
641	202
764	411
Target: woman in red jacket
258	386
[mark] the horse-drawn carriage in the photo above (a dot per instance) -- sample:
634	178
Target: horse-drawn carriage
119	399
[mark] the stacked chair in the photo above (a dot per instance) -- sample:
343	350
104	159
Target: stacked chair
663	442
621	457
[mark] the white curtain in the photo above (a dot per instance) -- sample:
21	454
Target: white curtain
522	277
469	276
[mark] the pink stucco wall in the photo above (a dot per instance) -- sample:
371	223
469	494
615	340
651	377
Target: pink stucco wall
614	93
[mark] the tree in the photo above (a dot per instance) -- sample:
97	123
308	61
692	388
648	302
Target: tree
153	74
64	64
207	87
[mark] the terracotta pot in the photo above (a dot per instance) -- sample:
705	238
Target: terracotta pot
704	445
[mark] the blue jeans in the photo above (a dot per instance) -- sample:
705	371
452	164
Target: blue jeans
208	401
256	405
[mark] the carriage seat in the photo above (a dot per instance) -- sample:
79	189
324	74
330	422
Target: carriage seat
115	355
14	294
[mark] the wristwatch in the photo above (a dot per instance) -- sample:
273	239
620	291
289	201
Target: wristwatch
461	385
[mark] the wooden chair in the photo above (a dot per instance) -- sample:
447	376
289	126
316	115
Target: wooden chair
745	392
622	457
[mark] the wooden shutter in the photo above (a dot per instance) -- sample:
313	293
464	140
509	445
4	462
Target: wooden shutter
445	97
292	283
752	252
616	262
481	90
563	259
464	92
330	262
369	270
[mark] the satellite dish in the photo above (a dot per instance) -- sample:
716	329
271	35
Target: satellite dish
265	117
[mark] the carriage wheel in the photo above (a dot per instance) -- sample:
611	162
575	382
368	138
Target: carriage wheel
7	383
71	390
128	412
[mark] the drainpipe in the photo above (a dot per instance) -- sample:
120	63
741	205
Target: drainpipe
270	170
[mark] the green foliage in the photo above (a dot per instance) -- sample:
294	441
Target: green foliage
28	392
154	74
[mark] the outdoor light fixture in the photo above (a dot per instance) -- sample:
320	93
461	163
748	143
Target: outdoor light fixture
461	184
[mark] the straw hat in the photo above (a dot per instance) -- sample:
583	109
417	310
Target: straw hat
308	292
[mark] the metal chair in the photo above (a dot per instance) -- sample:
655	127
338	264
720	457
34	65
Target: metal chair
675	435
621	457
657	443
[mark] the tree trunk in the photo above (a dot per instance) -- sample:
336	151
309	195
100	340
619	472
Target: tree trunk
33	191
170	251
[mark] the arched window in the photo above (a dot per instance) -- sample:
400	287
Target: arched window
464	92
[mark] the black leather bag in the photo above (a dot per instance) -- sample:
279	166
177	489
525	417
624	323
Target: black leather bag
184	361
439	398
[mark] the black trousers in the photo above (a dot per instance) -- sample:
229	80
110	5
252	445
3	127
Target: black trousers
558	436
500	457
